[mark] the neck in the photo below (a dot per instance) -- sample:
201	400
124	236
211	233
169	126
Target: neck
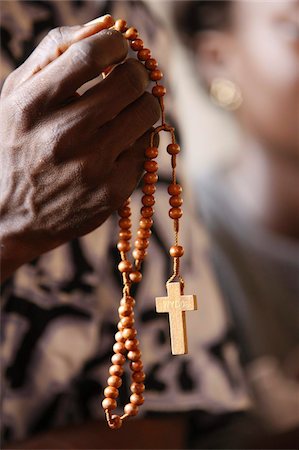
267	184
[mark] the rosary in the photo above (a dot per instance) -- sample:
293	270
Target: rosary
175	304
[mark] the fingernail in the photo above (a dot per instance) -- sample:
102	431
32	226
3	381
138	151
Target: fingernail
106	18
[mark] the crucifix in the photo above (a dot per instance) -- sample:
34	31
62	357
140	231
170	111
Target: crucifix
176	305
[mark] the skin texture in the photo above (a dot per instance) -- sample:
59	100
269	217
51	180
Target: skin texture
260	52
68	161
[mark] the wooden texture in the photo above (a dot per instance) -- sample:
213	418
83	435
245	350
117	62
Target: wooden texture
176	305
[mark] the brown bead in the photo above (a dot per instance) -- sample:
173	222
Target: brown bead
149	189
130	409
129	333
146	222
137	45
135	277
150	166
147	211
124	211
174	189
134	355
151	152
148	200
173	149
114	381
175	201
110	403
131	33
156	75
144	233
116	370
125	310
125	223
120	25
136	366
119	347
115	422
118	359
111	392
125	266
151	64
120	326
137	388
127	301
159	90
119	337
136	399
123	246
127	322
141	243
138	376
132	344
144	54
175	213
125	235
150	178
139	253
176	251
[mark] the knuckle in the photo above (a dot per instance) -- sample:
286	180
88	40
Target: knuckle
117	49
135	77
56	35
82	53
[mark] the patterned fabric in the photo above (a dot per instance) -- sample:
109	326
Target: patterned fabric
59	311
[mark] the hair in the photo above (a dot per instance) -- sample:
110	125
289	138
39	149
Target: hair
194	16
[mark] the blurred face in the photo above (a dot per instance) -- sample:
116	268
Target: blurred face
265	64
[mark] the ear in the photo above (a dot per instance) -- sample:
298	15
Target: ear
214	52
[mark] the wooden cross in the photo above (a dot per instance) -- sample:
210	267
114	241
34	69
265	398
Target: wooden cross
176	304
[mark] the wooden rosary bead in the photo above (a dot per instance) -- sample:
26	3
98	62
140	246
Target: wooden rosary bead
131	409
151	64
125	223
136	399
115	422
129	333
131	34
120	326
136	366
118	360
137	388
128	300
159	90
148	200
173	149
139	254
149	189
111	392
146	222
124	212
125	310
150	178
120	25
125	266
151	152
147	211
127	322
176	201
135	277
141	243
134	355
110	403
174	189
137	44
175	213
119	337
144	233
116	370
119	347
156	75
123	246
150	166
125	235
114	381
132	344
176	251
144	54
139	376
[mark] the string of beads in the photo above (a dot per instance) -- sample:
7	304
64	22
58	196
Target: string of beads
127	344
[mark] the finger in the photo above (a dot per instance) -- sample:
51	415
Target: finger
81	62
56	42
103	102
